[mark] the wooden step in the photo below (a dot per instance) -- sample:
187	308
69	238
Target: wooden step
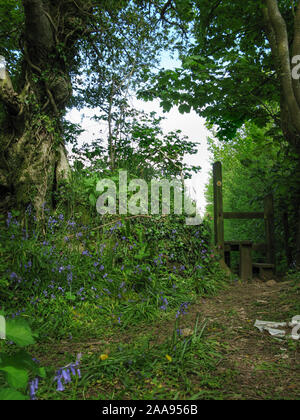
263	265
266	270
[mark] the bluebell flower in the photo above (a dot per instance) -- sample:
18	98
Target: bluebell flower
9	218
182	309
33	387
60	386
70	277
106	290
28	265
65	373
66	376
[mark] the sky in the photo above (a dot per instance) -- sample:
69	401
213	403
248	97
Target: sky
190	124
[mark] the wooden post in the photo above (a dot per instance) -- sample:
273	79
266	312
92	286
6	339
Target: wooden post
246	261
286	229
218	208
269	228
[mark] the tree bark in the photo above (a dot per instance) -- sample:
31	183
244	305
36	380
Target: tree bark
33	158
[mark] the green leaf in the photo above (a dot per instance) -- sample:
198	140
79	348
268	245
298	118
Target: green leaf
16	378
184	109
69	296
92	199
41	372
18	331
9	394
23	360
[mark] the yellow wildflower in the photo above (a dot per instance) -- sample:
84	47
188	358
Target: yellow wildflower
169	358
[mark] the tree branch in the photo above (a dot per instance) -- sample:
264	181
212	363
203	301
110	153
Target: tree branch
38	28
165	9
9	97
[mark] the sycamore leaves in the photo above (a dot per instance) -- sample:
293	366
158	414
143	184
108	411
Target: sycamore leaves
8	394
17	367
227	74
18	331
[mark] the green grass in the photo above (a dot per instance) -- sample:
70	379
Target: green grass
145	369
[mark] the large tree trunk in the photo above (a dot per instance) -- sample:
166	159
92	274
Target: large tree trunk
33	157
33	160
32	164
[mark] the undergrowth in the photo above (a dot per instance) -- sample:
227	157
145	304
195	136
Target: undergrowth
74	282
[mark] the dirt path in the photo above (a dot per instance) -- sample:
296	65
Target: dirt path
254	365
261	366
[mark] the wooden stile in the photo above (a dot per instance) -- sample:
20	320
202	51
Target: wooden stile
244	247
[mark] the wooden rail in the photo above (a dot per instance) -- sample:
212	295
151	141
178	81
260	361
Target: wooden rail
235	215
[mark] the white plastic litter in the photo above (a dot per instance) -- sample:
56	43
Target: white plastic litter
272	328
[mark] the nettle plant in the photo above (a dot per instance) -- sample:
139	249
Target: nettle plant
19	372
